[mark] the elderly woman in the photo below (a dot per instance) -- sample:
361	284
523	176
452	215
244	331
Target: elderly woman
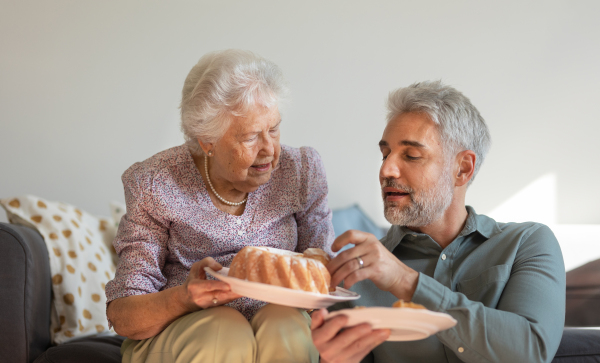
230	185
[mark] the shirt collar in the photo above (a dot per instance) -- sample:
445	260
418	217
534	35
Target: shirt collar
483	224
480	223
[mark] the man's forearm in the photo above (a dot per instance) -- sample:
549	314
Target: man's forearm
498	335
513	310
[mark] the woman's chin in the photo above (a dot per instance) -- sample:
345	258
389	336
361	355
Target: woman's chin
254	182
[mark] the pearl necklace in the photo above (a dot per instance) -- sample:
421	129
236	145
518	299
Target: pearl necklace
213	188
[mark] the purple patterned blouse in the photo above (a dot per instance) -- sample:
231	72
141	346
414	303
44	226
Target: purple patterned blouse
171	221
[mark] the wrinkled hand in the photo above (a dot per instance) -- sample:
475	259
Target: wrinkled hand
200	292
379	265
347	346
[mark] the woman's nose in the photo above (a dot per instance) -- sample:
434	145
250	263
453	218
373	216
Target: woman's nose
268	146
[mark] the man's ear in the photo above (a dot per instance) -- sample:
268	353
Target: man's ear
466	167
206	146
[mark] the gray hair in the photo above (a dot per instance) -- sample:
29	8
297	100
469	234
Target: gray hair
460	125
224	84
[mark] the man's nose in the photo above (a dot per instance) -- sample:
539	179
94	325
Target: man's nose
389	169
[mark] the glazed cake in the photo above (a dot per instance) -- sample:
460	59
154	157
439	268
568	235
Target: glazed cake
283	268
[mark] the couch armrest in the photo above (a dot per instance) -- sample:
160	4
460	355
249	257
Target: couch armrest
583	296
25	294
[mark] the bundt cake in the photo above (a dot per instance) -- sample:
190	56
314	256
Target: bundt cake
283	268
317	254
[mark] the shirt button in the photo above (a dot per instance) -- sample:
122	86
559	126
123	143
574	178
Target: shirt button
240	233
461	349
444	257
239	221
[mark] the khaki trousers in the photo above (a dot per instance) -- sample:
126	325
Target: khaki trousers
221	334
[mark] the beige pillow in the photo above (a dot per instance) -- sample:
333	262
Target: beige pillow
79	246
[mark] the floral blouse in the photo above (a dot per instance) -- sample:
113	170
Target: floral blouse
171	221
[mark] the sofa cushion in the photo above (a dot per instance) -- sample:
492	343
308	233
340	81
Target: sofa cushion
583	295
579	346
103	349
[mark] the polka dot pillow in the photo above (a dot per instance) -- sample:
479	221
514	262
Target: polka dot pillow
79	246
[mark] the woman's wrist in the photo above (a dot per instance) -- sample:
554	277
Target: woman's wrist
183	299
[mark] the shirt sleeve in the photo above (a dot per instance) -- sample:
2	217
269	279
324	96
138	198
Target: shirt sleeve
141	241
526	325
315	229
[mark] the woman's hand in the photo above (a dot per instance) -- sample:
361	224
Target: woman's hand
347	346
143	316
379	265
203	293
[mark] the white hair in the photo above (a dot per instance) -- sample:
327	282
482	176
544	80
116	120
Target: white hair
224	84
460	125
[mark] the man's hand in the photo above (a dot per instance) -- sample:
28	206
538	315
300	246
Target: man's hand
347	346
379	265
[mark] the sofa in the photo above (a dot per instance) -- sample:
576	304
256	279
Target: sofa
25	302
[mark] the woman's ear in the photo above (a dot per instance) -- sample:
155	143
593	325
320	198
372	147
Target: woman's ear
207	147
466	167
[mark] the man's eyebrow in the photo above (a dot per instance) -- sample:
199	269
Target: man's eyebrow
411	143
384	143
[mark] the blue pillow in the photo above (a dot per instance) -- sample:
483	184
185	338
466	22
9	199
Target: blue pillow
354	218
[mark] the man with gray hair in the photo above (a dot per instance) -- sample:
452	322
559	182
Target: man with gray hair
504	283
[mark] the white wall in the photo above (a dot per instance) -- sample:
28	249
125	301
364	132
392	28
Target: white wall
89	87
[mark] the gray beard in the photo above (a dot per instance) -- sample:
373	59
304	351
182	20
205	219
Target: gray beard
425	208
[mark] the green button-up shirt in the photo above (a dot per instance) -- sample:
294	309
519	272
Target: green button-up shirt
503	282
